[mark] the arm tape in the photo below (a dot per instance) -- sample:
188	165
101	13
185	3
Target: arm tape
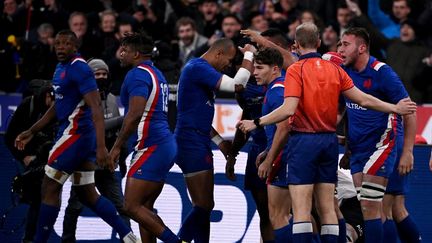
241	77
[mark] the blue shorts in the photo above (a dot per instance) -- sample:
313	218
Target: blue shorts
397	184
312	158
153	163
252	180
194	154
377	161
278	176
70	151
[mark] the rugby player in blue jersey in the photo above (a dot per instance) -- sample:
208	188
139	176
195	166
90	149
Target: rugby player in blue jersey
199	80
381	144
80	141
268	64
144	95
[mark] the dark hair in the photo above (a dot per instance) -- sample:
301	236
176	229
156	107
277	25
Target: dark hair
341	4
360	33
413	24
223	43
307	35
251	16
279	36
183	21
269	56
71	34
335	26
139	42
233	16
122	23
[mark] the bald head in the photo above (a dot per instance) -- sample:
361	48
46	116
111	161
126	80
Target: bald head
307	35
223	44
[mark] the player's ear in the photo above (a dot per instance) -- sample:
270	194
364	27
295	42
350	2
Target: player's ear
219	52
136	54
362	48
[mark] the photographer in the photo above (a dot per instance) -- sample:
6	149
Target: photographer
106	181
35	155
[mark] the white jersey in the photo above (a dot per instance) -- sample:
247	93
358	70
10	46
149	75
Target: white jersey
345	187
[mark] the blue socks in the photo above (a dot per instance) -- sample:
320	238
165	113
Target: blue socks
168	236
196	226
342	231
47	217
373	231
284	234
316	238
390	233
329	233
106	210
408	230
302	232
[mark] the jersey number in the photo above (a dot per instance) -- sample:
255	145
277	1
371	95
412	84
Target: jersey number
165	94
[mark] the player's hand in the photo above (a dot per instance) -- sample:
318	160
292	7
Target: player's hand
23	139
103	160
246	126
354	7
264	169
114	156
229	168
260	158
253	35
405	107
406	163
248	47
238	88
344	162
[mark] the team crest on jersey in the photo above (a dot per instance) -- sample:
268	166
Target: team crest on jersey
367	84
63	74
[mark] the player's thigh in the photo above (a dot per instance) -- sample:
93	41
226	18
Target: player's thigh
201	186
73	152
301	197
153	163
279	199
142	192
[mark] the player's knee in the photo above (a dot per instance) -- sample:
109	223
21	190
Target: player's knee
130	208
399	213
82	178
56	175
372	192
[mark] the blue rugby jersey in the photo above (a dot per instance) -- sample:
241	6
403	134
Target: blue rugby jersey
147	81
369	128
71	81
195	98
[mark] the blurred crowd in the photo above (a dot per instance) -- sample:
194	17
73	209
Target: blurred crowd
400	32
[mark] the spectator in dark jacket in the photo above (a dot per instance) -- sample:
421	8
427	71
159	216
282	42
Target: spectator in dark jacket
35	155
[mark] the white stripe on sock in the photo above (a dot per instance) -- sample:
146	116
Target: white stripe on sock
304	227
330	229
